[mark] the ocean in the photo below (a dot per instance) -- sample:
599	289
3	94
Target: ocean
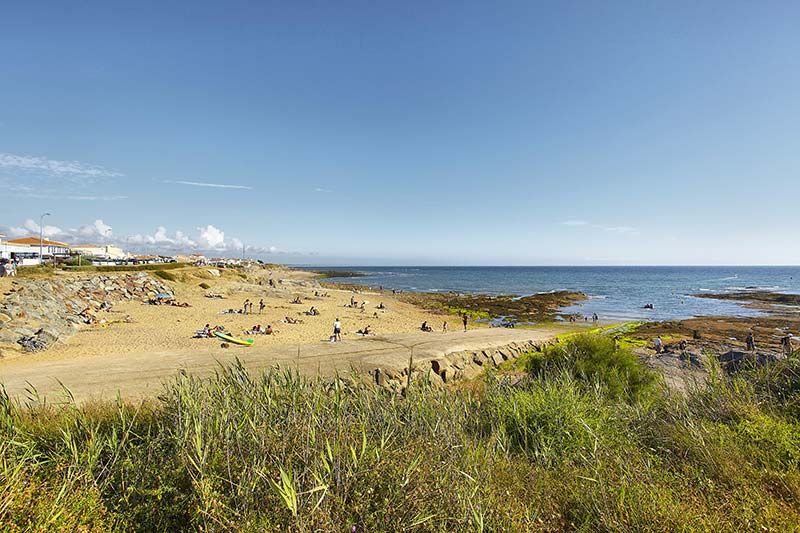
615	293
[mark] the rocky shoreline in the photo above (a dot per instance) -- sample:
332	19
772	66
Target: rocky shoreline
542	307
35	313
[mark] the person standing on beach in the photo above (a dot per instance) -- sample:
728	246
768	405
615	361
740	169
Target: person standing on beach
751	342
658	344
444	327
261	306
464	320
337	330
244	307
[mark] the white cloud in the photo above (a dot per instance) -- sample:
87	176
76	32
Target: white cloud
30	227
211	237
53	167
206	184
320	189
98	228
623	230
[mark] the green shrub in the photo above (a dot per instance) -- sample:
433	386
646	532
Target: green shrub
553	419
596	359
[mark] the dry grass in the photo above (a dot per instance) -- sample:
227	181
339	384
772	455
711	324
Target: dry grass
278	452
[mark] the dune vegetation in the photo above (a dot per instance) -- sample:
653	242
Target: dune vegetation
589	440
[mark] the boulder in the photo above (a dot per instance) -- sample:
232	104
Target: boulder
497	358
40	340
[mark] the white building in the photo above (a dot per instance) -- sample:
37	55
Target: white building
26	250
100	251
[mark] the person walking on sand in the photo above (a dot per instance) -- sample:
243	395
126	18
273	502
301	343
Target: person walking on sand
464	320
261	306
244	307
337	330
444	327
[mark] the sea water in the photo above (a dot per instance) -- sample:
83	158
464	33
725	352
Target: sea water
615	293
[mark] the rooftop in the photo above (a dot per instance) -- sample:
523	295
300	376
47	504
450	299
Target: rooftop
34	241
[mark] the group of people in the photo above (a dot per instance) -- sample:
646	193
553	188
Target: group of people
749	342
258	329
427	328
247	307
207	331
356	305
595	318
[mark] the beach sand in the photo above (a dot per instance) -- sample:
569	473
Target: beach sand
133	357
165	328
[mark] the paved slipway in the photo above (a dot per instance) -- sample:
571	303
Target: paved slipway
138	375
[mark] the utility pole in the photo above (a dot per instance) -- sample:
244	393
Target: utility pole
41	237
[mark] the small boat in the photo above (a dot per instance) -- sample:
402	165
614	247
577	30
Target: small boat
234	340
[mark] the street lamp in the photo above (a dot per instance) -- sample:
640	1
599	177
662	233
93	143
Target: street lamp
41	238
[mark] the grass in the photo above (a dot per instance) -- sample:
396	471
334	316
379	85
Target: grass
124	268
163	274
277	452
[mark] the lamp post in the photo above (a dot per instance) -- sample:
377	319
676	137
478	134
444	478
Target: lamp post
41	237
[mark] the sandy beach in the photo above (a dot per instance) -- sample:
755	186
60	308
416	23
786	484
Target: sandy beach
138	345
165	328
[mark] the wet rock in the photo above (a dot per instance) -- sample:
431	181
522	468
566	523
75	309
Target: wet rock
735	360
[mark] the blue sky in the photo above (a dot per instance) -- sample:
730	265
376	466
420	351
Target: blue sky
408	132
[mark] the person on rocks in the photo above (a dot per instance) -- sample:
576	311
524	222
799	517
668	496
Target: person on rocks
750	341
659	344
786	344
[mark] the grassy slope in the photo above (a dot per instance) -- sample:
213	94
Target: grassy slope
566	451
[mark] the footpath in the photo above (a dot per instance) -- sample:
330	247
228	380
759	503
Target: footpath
438	357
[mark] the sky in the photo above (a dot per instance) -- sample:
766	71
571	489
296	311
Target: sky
407	133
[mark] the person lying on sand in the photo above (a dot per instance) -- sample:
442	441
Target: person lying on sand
296	300
214	295
366	331
258	329
312	312
290	320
